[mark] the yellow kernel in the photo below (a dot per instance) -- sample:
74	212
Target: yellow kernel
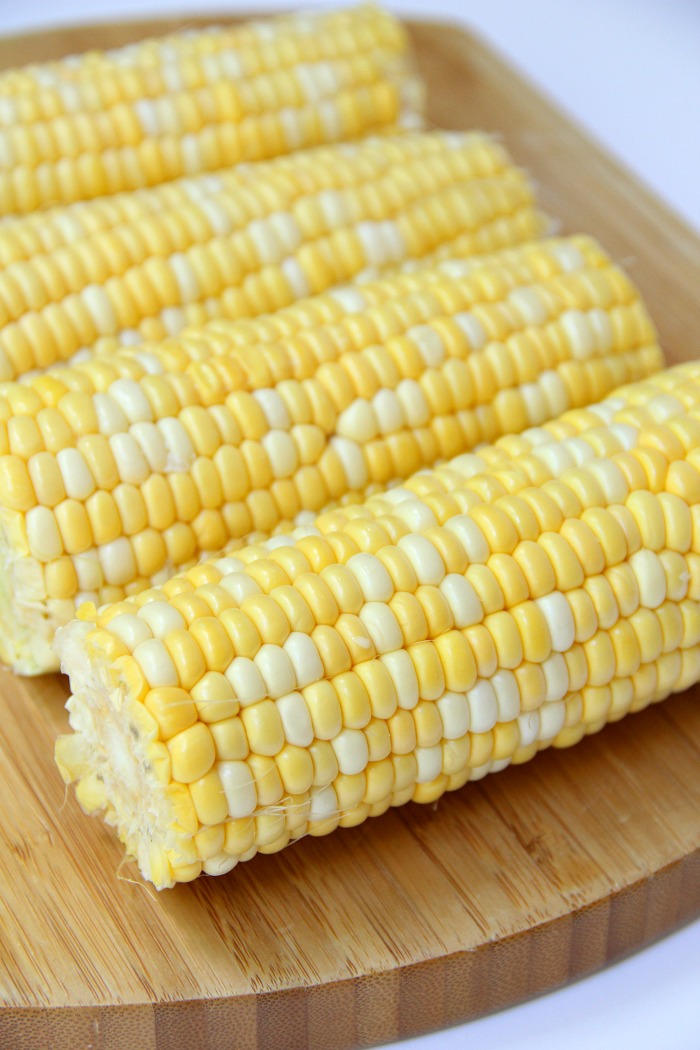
296	769
263	727
209	799
172	709
192	753
186	656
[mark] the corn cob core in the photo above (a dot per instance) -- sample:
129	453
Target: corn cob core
142	115
117	472
507	601
248	241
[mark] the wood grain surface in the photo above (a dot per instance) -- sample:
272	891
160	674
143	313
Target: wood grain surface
430	915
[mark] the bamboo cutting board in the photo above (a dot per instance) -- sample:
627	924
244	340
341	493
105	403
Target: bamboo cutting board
430	915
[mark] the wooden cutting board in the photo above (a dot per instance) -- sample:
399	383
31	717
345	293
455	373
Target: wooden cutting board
430	915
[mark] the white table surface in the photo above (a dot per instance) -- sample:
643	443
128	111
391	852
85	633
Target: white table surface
629	72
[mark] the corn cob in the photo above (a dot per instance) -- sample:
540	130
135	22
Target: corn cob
117	472
508	601
246	242
105	122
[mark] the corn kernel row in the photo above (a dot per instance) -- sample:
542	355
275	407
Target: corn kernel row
116	472
505	602
249	241
88	126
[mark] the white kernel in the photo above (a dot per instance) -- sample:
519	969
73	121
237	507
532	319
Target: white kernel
352	461
535	401
239	788
372	577
665	406
185	277
568	256
611	480
150	441
388	412
191	151
651	578
296	720
286	229
528	305
454	715
382	626
324	804
429	763
132	400
578	332
464	602
126	337
350	300
416	515
240	586
552	719
266	242
403	674
556	676
77	477
602	330
581	451
161	618
304	657
220	865
43	535
351	751
147	116
88	570
132	630
246	680
473	330
149	362
296	278
156	663
110	417
179	447
217	216
471	537
424	558
556	457
337	211
468	464
276	669
529	726
626	435
281	452
413	402
118	562
505	686
131	463
358	422
554	390
291	126
429	343
560	620
483	706
174	319
100	309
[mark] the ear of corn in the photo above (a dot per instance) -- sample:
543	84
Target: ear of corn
502	603
244	242
105	122
118	471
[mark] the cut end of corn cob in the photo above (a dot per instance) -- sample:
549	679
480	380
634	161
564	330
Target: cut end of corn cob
97	124
120	470
510	600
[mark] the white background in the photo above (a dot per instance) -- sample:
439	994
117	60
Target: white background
629	72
